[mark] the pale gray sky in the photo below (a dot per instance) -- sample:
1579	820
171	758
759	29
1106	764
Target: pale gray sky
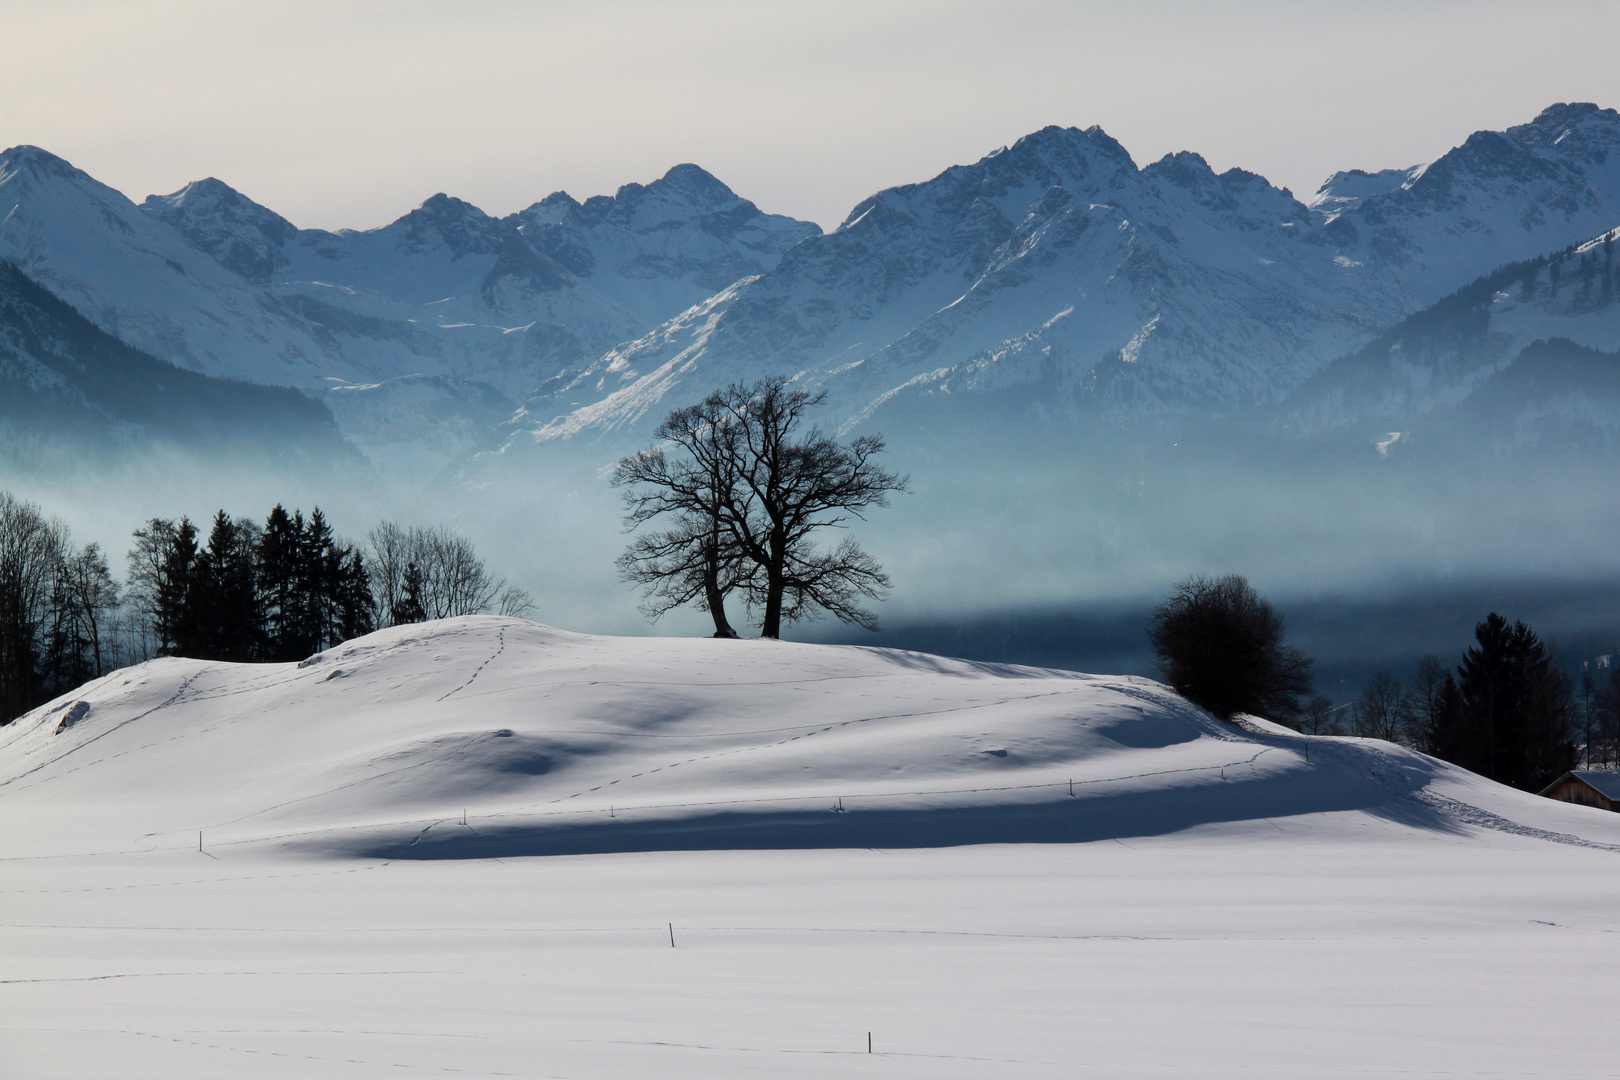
348	114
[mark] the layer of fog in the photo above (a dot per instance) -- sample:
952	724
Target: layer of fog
1064	521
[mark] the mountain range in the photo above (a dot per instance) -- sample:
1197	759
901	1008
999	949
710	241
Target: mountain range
483	309
1060	275
1053	281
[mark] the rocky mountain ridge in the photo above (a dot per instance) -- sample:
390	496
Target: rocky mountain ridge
1058	278
484	307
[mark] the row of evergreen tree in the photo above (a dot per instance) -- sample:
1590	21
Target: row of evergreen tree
269	593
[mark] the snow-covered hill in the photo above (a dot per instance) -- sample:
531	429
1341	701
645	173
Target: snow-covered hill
549	741
359	903
1060	276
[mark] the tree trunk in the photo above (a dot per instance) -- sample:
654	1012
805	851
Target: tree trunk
775	584
772	625
712	596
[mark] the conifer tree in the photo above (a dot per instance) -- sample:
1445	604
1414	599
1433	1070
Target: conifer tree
408	608
178	631
1508	716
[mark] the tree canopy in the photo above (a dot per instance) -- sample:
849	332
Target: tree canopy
1220	644
743	485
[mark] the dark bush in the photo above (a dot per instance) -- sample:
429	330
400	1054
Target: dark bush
1220	645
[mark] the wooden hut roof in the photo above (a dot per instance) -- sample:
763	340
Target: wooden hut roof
1605	782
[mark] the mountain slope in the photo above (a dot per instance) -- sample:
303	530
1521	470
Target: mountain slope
66	388
138	280
223	286
1440	356
1499	197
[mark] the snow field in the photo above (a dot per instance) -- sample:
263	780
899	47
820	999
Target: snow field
1366	913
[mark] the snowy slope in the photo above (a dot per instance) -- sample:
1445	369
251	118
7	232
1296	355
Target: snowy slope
1446	354
1225	907
552	741
1058	275
138	280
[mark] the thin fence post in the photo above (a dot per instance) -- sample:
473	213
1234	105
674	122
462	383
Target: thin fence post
672	935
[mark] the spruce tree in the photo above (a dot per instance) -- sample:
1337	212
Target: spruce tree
278	582
408	608
1507	716
176	616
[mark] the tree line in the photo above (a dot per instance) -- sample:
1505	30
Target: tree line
1506	711
246	592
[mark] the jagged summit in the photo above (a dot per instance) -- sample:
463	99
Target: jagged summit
445	220
1556	123
1055	141
38	161
551	209
1088	160
240	233
687	184
691	182
1345	190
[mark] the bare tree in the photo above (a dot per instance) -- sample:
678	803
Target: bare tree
1380	711
697	557
388	560
441	572
748	502
1319	717
799	486
1426	702
88	597
32	548
151	581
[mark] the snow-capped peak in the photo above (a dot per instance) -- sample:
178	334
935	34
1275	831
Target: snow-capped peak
214	217
1346	190
1580	122
25	159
